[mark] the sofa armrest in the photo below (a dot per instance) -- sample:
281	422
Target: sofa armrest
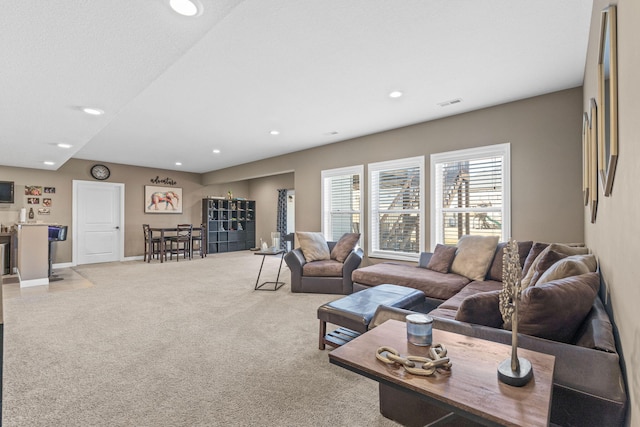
350	264
295	260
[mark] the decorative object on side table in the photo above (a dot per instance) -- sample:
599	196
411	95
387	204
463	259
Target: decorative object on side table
417	365
514	371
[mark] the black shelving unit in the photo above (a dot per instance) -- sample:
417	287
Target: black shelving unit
230	224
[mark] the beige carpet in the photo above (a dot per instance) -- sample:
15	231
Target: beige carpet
176	344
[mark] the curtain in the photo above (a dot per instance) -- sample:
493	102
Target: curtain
281	226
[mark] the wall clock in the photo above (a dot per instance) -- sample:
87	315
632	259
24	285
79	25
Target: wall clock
100	172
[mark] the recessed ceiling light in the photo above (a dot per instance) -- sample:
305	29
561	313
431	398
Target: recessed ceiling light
178	163
275	132
395	94
61	145
184	7
93	111
216	151
48	163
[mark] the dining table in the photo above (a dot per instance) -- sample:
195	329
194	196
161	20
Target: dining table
167	232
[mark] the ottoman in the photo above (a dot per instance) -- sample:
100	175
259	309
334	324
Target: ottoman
354	312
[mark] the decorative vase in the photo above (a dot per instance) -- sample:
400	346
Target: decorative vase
229	195
515	371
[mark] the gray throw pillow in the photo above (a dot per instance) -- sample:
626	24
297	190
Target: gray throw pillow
573	265
495	271
548	259
555	310
313	246
482	308
344	246
442	258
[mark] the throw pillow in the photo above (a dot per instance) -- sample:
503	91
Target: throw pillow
345	245
546	260
573	265
313	246
555	310
536	248
474	256
442	258
482	308
495	271
558	247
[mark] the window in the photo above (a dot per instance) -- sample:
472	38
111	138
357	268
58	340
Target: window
341	201
470	194
396	209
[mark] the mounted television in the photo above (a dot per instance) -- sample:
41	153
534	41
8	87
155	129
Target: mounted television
6	191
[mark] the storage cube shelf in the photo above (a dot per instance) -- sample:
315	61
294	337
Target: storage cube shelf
231	224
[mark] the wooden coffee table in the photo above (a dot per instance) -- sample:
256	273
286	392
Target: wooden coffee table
471	389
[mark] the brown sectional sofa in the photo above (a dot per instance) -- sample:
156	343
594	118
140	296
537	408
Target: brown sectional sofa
589	388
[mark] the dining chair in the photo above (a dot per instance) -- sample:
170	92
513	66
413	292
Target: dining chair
151	244
182	242
199	241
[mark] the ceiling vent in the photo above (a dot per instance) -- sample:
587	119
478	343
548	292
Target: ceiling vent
450	102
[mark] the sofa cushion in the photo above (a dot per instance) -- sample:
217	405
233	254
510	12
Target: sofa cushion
323	268
573	265
495	271
558	247
482	308
313	246
474	256
442	258
344	246
555	310
433	284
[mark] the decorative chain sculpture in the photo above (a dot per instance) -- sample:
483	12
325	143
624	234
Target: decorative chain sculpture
417	365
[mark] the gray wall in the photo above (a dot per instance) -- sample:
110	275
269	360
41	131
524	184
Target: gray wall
545	137
614	236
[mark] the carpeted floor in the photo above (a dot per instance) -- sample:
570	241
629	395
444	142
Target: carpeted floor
176	344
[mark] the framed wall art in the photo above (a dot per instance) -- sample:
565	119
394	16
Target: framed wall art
593	161
608	99
162	200
585	158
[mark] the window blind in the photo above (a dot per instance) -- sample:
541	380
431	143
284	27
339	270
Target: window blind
469	194
396	208
342	206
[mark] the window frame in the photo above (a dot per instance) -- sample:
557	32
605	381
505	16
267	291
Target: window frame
325	210
373	211
497	150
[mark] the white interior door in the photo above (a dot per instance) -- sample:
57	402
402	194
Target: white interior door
98	222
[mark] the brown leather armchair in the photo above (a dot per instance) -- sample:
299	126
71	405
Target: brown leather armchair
322	277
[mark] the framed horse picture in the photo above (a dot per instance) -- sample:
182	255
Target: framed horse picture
162	200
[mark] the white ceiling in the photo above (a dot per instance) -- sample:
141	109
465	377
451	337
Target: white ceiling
175	88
